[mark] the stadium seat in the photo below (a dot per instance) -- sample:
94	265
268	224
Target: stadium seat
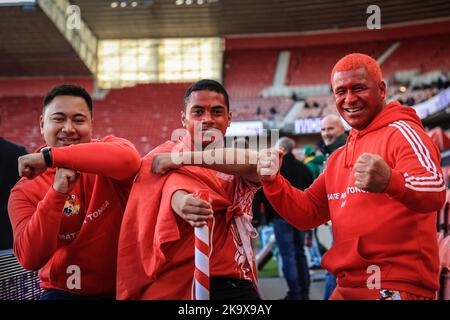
17	283
421	53
312	65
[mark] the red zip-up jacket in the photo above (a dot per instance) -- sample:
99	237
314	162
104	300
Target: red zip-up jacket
66	236
395	230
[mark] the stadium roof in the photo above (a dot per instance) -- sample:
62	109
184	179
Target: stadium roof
31	45
164	18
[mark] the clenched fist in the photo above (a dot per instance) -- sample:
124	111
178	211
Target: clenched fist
193	210
65	180
372	174
31	165
269	161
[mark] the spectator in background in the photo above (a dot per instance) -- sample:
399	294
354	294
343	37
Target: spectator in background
313	162
290	240
315	165
258	219
410	101
334	137
273	110
9	153
260	216
443	81
333	134
299	154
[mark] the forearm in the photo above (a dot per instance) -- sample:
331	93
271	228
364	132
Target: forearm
36	229
295	206
191	209
240	162
116	159
416	176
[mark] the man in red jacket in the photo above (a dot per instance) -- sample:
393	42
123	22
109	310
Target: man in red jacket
381	191
156	247
67	210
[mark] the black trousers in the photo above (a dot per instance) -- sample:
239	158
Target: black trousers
223	288
55	294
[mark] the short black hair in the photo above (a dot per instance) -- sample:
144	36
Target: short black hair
68	90
206	84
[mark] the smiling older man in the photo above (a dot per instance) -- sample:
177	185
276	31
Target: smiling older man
381	191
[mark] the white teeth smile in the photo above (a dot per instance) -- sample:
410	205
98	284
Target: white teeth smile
353	110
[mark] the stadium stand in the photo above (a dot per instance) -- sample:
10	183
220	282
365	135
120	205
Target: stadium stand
317	107
434	54
38	87
260	108
248	72
312	65
146	114
22	127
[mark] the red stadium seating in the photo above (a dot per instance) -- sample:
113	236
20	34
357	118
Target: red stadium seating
317	107
147	114
38	87
20	121
248	72
144	114
246	109
423	53
440	138
312	65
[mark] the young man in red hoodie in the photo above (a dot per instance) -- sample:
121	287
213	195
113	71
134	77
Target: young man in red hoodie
67	209
156	247
381	191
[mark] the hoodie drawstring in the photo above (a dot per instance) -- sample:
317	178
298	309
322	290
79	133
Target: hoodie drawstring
346	149
352	144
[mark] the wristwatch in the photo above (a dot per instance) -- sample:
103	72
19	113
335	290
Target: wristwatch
47	156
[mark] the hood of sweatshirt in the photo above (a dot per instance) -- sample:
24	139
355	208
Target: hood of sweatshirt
392	112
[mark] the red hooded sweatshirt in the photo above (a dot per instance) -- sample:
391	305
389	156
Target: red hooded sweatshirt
77	234
394	231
